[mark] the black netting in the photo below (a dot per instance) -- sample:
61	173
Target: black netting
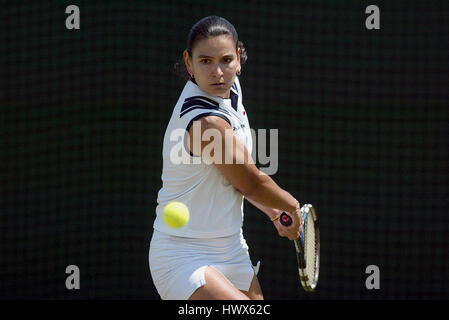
363	135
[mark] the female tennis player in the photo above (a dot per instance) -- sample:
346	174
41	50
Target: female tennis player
208	258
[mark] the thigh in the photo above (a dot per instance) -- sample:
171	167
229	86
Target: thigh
254	292
217	287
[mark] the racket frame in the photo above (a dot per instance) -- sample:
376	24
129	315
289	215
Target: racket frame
308	284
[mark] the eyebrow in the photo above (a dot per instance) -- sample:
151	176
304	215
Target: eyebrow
209	57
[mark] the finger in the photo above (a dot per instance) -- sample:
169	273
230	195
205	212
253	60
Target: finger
282	233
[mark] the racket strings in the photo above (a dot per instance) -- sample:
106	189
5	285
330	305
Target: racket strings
310	248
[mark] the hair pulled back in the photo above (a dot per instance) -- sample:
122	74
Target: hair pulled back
210	26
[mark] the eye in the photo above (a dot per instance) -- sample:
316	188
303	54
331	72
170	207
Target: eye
205	61
227	60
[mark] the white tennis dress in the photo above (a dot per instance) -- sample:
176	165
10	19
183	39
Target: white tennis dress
213	236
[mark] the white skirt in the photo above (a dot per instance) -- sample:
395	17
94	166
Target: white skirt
177	264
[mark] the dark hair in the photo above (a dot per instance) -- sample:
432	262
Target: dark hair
210	26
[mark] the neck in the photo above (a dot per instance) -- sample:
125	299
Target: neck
225	95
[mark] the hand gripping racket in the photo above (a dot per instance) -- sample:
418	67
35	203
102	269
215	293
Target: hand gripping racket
307	246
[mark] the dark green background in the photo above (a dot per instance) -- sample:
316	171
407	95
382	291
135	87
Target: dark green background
363	135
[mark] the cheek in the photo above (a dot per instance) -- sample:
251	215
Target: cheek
203	68
231	67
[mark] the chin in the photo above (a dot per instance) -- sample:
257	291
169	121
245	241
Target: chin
218	93
223	92
222	95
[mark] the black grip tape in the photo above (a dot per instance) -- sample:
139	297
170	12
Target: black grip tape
285	219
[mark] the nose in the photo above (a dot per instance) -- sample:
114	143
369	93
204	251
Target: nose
216	71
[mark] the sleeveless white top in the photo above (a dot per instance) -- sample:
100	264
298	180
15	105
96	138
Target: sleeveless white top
215	206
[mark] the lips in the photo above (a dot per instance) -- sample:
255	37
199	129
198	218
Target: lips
218	84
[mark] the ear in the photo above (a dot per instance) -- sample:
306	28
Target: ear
188	62
239	67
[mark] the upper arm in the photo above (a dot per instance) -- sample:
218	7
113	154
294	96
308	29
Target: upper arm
216	143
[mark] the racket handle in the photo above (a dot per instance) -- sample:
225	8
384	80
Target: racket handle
285	219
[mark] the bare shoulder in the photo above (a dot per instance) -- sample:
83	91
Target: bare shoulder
213	122
210	123
213	125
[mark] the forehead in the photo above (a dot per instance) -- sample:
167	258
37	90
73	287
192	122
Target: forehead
214	46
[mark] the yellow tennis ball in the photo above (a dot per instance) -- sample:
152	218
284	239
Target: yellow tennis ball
176	214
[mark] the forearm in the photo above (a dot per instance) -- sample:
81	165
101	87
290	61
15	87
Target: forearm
270	212
269	195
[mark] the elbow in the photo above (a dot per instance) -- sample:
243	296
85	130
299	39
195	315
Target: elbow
252	189
247	193
247	190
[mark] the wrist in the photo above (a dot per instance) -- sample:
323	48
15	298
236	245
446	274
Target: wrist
275	215
296	207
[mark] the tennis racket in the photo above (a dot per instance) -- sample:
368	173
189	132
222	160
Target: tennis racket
307	246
